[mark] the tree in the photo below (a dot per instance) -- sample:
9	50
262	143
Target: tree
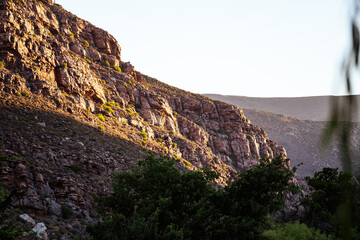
158	201
257	193
155	201
295	231
333	194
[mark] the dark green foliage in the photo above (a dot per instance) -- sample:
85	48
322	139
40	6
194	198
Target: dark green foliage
8	230
106	63
3	157
138	106
66	212
257	193
294	231
25	94
76	167
117	68
86	43
335	195
157	201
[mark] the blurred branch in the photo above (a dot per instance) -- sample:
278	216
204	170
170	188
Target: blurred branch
340	122
343	108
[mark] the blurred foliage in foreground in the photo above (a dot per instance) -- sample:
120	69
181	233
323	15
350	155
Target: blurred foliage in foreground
340	124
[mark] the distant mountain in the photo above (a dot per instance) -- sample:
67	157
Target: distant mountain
297	124
306	108
302	140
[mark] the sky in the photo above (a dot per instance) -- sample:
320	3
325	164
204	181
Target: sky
257	48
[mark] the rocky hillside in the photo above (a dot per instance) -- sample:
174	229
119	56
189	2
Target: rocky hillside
72	113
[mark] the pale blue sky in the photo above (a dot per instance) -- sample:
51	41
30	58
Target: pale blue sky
257	48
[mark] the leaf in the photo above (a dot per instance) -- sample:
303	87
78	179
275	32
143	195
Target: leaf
356	40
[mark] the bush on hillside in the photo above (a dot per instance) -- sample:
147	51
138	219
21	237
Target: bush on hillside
158	201
333	205
295	231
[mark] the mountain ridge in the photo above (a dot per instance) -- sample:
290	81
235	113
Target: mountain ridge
316	108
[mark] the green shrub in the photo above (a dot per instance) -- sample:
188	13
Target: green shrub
143	134
51	35
86	43
156	200
106	63
101	128
294	231
112	104
66	212
88	60
64	65
9	230
2	65
129	111
335	197
3	157
101	117
72	35
76	167
25	94
187	163
107	108
117	68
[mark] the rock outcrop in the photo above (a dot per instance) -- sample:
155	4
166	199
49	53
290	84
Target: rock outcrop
52	61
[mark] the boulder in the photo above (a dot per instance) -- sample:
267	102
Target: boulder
40	230
27	219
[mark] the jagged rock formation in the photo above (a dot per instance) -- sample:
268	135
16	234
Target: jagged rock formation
58	68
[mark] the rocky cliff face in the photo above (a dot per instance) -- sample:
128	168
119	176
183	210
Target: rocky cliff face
69	102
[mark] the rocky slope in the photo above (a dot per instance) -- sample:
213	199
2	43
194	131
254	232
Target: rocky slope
72	112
